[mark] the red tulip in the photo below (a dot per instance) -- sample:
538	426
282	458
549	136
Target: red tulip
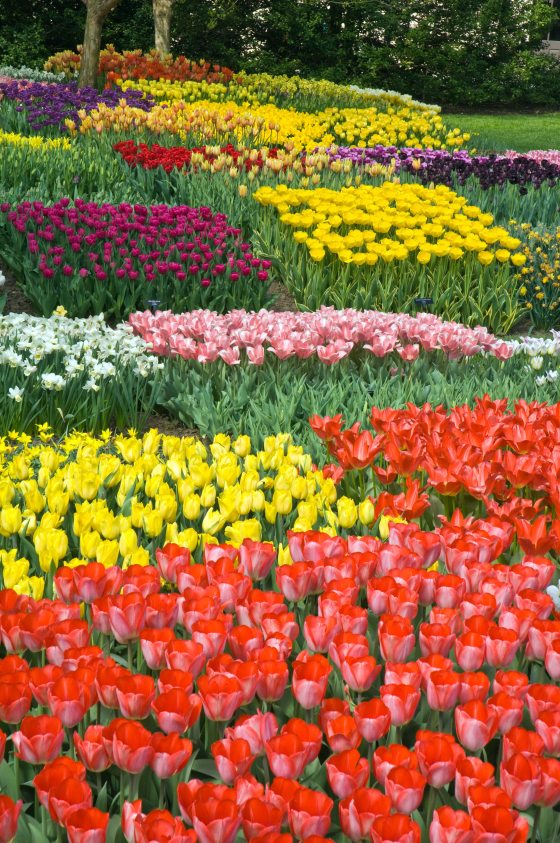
398	828
185	655
309	812
127	616
547	726
171	754
309	681
172	680
541	698
508	711
215	821
405	789
131	747
154	643
9	818
449	826
272	680
233	758
442	689
66	795
54	772
160	825
385	758
221	696
176	710
260	818
501	646
342	733
472	771
106	684
319	632
358	811
499	825
520	776
396	638
360	672
435	638
550	781
402	702
256	729
373	719
511	682
39	739
523	741
169	558
346	772
15	697
476	724
309	734
286	755
437	759
407	673
242	640
470	651
256	558
135	695
91	749
474	686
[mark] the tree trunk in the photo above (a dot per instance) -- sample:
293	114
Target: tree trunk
97	11
162	24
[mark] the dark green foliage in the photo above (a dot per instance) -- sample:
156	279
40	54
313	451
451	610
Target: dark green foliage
468	52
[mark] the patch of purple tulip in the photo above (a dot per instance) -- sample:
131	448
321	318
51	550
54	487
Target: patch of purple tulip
443	167
50	104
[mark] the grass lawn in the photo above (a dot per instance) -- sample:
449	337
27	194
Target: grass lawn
521	132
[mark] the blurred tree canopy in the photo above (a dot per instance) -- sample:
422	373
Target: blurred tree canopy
467	52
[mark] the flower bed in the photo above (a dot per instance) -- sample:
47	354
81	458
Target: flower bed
329	334
377	246
77	372
386	686
108	258
183	158
49	105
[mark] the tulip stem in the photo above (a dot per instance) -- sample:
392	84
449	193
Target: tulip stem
430	804
161	800
536	823
130	655
17	774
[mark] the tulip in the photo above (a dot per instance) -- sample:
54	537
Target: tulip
131	747
286	755
449	826
385	758
9	818
135	695
476	725
221	696
521	779
542	698
501	646
169	558
402	702
435	638
260	818
360	672
170	680
471	771
185	655
442	689
396	638
550	781
499	825
176	710
91	750
437	759
68	795
309	812
309	734
309	681
171	754
272	680
256	729
233	758
398	828
346	772
470	651
405	788
39	739
523	741
342	733
15	699
54	772
358	811
547	726
154	643
215	821
373	719
508	711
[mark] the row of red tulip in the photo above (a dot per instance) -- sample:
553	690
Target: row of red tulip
338	694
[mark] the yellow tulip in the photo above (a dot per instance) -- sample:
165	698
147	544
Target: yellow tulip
242	446
191	507
347	512
284	555
384	523
107	553
208	496
227	470
366	512
152	523
166	505
14	571
248	528
258	500
140	556
282	502
89	542
128	542
213	522
7	492
10	520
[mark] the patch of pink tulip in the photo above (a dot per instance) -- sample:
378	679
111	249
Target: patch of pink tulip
329	334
